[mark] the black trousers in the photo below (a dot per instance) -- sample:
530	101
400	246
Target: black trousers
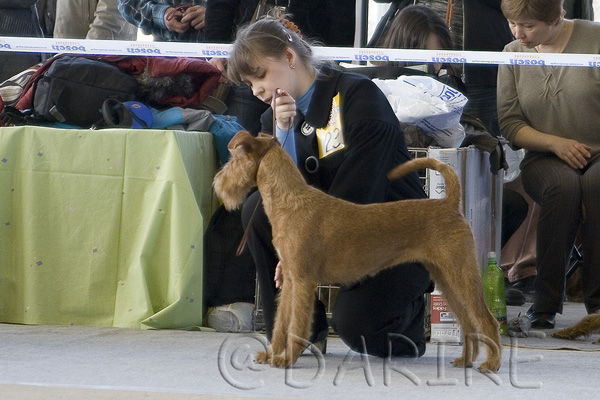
563	194
381	315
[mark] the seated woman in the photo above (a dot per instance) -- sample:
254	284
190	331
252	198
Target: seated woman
381	315
552	112
420	27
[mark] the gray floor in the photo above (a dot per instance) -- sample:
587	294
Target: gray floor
74	362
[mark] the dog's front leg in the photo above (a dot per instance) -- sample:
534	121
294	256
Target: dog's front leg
300	315
280	326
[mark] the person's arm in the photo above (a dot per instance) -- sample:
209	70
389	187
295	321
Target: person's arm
520	134
147	15
570	151
108	23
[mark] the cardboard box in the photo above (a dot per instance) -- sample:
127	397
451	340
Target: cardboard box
444	326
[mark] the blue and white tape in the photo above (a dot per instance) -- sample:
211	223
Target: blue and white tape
209	50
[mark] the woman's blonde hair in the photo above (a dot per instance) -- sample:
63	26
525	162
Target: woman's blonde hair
265	38
548	11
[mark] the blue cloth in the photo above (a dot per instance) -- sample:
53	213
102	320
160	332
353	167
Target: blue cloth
224	129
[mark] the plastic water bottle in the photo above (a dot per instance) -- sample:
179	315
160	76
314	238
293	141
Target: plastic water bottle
493	291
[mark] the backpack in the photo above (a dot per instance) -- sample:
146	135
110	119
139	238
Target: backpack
228	278
73	90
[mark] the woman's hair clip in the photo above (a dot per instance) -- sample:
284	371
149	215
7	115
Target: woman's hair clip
291	26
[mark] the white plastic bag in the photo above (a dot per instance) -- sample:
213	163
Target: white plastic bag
513	159
429	104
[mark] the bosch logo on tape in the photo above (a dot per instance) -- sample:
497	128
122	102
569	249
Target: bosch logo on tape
215	53
449	60
143	50
518	61
371	57
68	48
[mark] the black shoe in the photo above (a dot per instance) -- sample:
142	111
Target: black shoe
514	297
540	320
525	285
319	340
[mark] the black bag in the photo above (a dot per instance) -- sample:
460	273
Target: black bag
228	278
73	90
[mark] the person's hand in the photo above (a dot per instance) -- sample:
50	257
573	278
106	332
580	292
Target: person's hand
173	20
219	63
572	152
285	109
278	276
194	17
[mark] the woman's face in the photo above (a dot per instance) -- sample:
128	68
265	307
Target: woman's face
434	43
530	32
273	73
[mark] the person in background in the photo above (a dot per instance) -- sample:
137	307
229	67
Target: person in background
270	57
552	112
167	20
91	19
420	27
18	18
484	29
579	9
47	15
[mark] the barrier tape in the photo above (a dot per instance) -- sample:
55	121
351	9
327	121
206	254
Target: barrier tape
210	50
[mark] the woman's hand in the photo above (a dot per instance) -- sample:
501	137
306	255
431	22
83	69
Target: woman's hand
194	16
571	151
278	276
219	63
284	107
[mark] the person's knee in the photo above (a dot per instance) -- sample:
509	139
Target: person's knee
402	337
384	343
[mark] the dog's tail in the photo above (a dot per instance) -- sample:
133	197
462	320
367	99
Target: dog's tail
450	178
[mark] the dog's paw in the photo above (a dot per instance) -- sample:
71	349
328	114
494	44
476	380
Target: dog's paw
565	334
489	366
461	362
281	361
262	357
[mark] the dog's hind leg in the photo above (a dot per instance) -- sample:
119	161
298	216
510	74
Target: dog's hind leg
485	324
300	315
460	281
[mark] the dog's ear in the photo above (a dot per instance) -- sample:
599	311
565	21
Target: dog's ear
240	138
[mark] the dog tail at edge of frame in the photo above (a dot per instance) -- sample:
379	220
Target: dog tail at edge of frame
453	192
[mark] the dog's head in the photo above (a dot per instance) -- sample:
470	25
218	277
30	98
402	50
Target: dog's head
233	182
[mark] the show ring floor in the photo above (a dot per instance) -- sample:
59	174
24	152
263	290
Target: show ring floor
91	363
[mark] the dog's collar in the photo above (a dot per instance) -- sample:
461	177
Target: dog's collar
272	143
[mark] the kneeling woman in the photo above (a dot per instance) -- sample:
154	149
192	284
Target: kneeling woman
344	137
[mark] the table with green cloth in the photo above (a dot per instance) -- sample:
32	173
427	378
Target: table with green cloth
104	227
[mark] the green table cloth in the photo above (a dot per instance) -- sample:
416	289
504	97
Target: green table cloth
104	227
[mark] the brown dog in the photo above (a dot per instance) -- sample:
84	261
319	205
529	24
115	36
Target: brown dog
306	223
588	325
